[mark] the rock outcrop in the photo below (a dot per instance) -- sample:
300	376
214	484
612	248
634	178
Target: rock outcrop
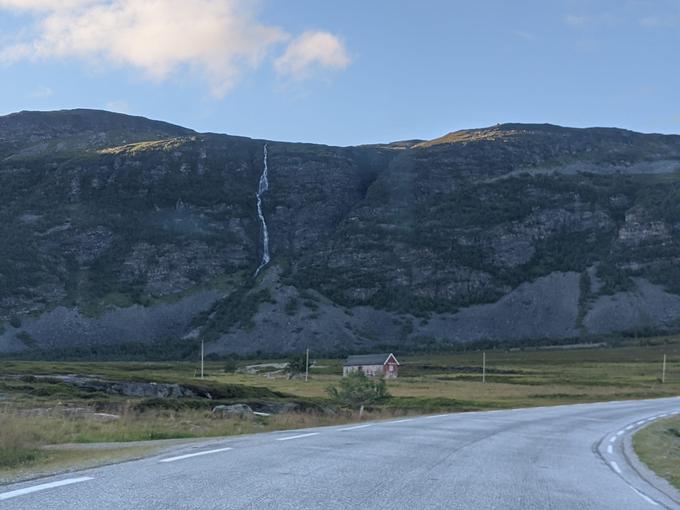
127	237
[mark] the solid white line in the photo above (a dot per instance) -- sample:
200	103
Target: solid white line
435	416
615	466
197	454
358	427
402	421
609	449
297	437
647	499
44	486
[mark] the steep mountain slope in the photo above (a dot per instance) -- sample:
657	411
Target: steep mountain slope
123	235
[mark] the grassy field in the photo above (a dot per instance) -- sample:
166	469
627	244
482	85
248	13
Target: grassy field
658	446
37	412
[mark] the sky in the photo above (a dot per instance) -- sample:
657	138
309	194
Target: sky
350	72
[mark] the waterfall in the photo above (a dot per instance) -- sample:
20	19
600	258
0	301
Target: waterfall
263	186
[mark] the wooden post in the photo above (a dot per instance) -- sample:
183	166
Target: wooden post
483	368
663	370
202	352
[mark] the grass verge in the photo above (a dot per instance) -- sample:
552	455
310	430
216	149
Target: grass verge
658	446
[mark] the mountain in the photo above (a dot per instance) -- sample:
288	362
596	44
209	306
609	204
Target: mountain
124	236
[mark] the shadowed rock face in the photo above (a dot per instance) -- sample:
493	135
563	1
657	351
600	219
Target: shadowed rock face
121	231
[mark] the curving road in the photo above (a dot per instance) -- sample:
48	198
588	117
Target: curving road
566	457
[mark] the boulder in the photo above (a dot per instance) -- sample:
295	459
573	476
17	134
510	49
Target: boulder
233	410
105	417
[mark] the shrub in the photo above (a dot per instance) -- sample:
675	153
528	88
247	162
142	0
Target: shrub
357	390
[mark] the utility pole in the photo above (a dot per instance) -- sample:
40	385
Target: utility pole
202	352
483	368
307	366
663	370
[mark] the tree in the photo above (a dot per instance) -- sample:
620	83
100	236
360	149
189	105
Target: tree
296	365
230	365
357	390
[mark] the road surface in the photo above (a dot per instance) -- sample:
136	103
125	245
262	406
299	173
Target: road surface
565	457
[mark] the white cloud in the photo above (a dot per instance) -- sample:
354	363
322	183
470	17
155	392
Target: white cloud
313	50
42	92
669	21
118	105
43	5
575	21
217	40
521	34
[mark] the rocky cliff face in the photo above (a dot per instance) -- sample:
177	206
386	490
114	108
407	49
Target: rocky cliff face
122	236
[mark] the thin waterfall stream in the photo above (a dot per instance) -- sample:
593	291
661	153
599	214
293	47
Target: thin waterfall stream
261	189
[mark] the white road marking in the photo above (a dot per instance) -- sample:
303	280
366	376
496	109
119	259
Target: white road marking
297	437
647	499
615	466
629	427
402	421
612	439
610	450
435	416
619	432
42	487
197	454
358	427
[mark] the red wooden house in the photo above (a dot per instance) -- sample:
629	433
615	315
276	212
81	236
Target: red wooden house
373	365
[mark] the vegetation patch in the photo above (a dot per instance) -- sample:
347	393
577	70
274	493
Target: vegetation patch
658	446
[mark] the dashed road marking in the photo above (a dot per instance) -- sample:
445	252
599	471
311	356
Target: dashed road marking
299	436
646	498
619	432
615	467
358	427
610	450
42	487
612	439
197	454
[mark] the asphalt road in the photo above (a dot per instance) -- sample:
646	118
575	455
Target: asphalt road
566	457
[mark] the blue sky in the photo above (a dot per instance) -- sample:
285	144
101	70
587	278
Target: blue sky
348	72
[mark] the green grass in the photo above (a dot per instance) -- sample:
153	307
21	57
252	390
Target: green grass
658	446
34	412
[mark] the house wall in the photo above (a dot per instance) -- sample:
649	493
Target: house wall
369	370
391	370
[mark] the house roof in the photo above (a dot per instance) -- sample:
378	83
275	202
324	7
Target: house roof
368	359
